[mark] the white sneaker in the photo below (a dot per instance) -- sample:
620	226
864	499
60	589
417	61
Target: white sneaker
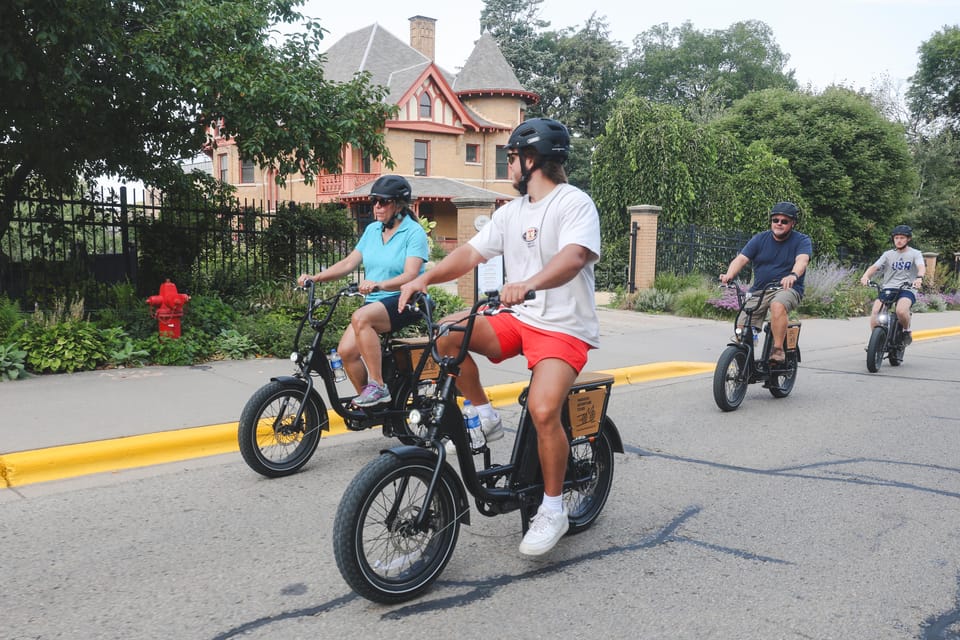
545	531
492	431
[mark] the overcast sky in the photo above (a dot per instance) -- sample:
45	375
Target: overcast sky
849	42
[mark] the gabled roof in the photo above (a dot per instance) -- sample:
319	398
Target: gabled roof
391	62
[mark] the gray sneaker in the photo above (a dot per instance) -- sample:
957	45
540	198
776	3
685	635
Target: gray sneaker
372	394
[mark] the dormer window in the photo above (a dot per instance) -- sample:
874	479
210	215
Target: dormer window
426	106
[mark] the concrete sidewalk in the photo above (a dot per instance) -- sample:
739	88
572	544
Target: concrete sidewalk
138	416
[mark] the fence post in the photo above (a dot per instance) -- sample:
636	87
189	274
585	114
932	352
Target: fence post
129	253
930	260
468	211
644	263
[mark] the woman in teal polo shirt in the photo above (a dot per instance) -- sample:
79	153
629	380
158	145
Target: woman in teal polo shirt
393	250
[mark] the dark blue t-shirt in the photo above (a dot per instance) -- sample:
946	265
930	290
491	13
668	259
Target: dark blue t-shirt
772	260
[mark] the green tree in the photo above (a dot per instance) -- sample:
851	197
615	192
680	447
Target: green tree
95	87
853	164
705	71
517	27
937	206
652	154
934	92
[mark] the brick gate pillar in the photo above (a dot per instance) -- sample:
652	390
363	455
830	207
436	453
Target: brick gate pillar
468	210
644	260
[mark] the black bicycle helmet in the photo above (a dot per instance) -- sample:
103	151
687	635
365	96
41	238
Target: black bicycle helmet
392	187
785	209
902	230
548	137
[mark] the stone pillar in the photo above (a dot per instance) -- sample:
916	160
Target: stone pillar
468	210
930	259
644	263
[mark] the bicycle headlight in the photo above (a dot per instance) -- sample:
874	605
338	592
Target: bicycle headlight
414	417
883	317
294	357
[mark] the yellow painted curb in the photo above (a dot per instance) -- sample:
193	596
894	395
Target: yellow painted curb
69	461
929	334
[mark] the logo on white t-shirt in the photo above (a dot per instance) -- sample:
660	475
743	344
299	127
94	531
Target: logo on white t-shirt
530	235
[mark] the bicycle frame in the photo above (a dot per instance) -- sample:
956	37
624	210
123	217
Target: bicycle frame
887	316
497	488
315	361
757	368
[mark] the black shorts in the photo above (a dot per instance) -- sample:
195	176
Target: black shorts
397	320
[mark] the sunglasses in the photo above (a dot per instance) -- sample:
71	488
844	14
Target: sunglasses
380	201
780	220
512	156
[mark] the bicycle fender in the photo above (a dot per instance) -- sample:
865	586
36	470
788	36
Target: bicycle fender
419	454
611	430
297	383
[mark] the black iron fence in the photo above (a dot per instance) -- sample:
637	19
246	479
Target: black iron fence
694	249
57	246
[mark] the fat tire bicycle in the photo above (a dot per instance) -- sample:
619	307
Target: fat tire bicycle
739	366
887	338
281	424
398	521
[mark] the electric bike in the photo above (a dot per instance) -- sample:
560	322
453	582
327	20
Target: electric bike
399	519
887	338
739	365
281	424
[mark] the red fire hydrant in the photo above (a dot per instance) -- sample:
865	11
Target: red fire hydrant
168	308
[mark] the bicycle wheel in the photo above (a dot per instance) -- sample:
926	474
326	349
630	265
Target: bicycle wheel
271	443
783	378
592	461
875	349
730	378
380	551
895	353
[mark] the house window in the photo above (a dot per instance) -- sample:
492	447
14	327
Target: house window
421	151
502	163
366	162
426	106
473	153
246	171
223	168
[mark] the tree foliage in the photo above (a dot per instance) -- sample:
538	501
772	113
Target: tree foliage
935	87
652	154
95	87
706	71
853	164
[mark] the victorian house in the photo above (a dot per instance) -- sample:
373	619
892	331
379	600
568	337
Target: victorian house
447	139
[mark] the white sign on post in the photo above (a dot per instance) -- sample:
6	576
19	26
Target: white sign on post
490	275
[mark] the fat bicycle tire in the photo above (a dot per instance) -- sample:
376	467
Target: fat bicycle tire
269	441
730	378
591	459
878	339
378	552
783	377
895	355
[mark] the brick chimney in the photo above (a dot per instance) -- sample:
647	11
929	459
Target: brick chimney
423	35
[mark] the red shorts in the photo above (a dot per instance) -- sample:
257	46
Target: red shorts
517	337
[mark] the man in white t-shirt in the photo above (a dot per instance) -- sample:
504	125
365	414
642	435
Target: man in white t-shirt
549	239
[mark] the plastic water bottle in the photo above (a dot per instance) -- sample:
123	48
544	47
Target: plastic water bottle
756	336
472	420
336	365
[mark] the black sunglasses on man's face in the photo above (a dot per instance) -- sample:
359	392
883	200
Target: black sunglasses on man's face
380	201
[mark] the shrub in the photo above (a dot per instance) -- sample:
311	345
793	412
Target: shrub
12	361
72	345
189	348
675	283
231	344
120	348
12	321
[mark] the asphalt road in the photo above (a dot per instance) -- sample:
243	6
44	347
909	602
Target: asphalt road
828	514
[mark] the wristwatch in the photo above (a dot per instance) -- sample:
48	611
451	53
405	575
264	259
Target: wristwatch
794	275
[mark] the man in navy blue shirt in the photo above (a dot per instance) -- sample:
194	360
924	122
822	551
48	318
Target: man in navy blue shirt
779	256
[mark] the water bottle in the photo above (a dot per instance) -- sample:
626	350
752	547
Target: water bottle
472	420
336	365
756	336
